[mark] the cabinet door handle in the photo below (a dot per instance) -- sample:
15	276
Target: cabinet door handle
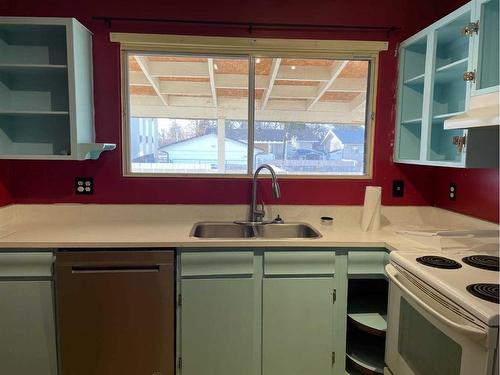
113	269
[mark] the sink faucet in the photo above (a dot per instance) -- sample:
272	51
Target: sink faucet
257	215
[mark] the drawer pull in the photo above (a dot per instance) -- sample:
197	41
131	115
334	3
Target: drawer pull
117	269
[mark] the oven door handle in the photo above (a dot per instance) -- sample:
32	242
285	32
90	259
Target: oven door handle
472	333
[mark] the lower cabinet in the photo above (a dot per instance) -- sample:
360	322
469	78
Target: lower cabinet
281	312
27	319
367	292
256	312
116	312
218	326
297	326
217	313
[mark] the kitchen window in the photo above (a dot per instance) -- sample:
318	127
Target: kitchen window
226	106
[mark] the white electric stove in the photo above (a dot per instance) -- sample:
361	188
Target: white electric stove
443	312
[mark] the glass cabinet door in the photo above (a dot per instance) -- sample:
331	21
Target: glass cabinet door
488	60
411	99
450	92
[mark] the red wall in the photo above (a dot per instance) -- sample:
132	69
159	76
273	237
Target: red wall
477	191
5	197
45	182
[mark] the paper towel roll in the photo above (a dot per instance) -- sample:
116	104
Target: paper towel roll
372	208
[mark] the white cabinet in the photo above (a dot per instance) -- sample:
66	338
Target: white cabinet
46	90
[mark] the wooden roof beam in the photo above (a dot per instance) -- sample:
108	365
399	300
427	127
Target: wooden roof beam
211	75
337	68
154	81
358	103
275	66
231	113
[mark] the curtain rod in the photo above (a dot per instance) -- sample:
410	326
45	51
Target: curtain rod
250	25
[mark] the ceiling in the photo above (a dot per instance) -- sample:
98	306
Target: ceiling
293	90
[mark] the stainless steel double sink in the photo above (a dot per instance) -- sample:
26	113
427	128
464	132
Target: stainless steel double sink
228	230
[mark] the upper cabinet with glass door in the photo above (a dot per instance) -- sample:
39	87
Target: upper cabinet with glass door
432	88
486	45
46	90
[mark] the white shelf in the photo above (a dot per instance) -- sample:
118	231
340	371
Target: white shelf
450	72
412	121
369	313
370	357
34	157
34	70
371	320
31	66
454	64
415	80
33	113
444	116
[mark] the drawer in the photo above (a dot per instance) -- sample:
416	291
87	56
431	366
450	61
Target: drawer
299	263
366	262
216	263
26	264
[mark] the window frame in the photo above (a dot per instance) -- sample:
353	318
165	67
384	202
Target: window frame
250	48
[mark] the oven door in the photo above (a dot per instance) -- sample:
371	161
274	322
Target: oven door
427	335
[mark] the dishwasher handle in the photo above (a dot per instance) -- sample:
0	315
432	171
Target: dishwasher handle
471	332
115	269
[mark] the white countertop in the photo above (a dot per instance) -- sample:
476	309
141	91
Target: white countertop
165	226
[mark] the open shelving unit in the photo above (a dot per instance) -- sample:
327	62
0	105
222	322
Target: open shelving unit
366	325
432	89
46	91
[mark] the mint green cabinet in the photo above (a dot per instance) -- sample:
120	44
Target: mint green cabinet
217	321
218	326
432	88
486	45
46	90
297	326
275	312
298	312
367	292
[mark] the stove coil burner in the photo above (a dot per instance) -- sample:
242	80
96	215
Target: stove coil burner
486	262
488	292
439	262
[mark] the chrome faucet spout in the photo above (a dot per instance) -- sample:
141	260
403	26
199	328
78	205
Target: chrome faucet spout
276	190
257	215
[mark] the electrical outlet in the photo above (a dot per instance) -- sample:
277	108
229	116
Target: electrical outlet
398	188
84	185
452	191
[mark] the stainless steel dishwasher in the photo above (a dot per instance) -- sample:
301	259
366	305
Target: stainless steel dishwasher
116	312
27	322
